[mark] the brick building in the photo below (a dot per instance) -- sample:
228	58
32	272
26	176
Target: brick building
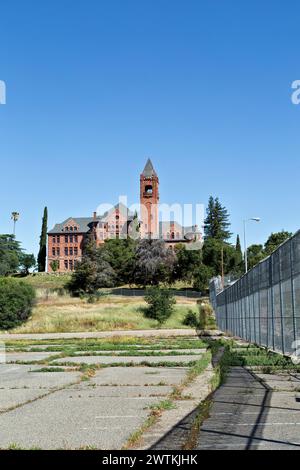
65	240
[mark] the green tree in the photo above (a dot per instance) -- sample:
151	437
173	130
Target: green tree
240	266
212	256
275	240
121	256
27	262
93	271
10	255
201	277
216	224
43	243
186	263
154	262
255	254
161	304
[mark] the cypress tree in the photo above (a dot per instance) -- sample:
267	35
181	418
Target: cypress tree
238	247
43	243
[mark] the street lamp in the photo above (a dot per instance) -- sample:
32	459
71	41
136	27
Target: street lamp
15	217
254	219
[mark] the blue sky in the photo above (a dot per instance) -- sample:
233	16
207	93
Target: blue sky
203	87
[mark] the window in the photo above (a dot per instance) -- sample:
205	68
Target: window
71	229
148	189
71	251
71	265
58	251
58	239
76	238
66	264
53	251
75	229
172	235
71	238
75	251
53	239
66	229
66	251
66	238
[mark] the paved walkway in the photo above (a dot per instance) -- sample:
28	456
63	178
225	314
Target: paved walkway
100	334
253	412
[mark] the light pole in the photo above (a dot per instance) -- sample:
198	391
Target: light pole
15	217
255	219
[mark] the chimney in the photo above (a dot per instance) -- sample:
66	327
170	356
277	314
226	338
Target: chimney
95	215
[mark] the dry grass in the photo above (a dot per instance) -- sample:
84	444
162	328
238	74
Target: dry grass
67	314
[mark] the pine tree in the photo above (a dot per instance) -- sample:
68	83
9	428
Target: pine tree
217	223
43	243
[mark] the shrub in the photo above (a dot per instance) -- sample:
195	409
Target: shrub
191	320
54	265
16	301
205	315
161	304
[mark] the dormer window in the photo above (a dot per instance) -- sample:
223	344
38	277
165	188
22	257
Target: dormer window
66	229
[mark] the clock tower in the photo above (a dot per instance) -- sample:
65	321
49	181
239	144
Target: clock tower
149	200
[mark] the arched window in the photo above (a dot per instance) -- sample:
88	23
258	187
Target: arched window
148	189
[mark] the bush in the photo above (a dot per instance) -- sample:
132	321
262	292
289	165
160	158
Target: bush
205	315
161	304
191	320
16	302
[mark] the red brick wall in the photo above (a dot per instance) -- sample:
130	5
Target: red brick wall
61	246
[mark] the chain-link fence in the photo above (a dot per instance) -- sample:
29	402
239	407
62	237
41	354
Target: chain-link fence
263	306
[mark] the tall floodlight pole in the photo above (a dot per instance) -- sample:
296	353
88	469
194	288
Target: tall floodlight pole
15	217
255	219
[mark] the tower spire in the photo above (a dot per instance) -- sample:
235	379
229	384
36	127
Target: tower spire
149	169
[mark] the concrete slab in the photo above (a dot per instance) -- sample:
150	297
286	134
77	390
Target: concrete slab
20	384
149	376
129	391
28	356
126	360
21	377
126	353
70	419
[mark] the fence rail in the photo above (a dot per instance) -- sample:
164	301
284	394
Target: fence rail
263	306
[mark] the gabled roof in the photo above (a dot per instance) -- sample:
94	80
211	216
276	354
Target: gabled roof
149	170
122	209
83	224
